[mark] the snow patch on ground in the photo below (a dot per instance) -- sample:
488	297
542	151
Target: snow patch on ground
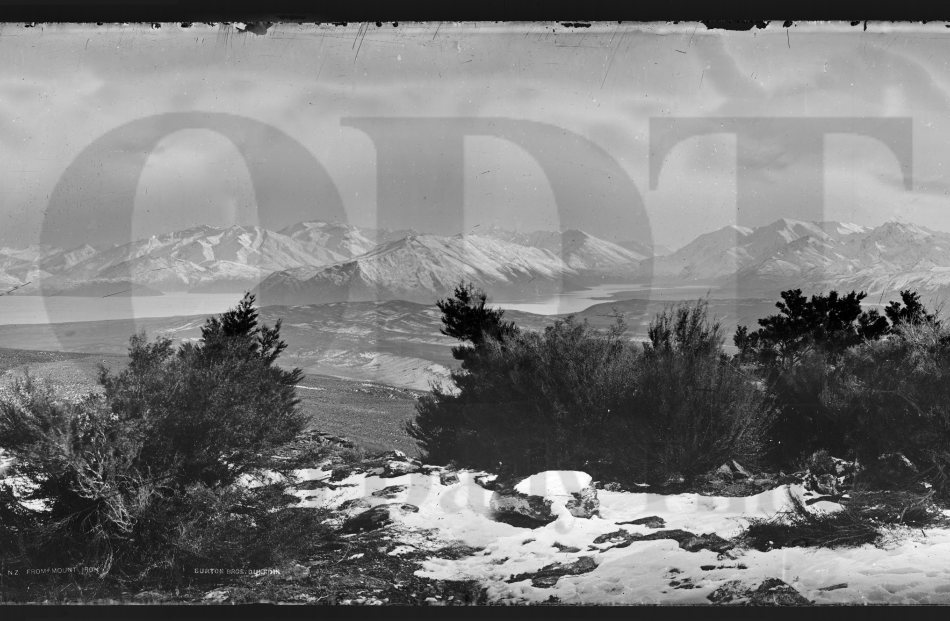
910	567
554	483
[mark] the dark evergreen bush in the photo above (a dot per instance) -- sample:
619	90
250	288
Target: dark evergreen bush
573	397
893	396
796	351
140	480
529	402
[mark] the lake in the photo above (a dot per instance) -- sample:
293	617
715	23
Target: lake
33	309
577	301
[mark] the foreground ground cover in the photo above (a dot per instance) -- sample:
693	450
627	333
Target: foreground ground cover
907	566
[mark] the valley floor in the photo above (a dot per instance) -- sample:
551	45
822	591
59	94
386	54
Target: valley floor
369	413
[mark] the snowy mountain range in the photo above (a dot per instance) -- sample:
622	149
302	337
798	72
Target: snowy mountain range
315	262
811	255
422	268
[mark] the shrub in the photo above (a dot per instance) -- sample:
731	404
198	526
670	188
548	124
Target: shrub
799	527
795	353
911	312
894	397
693	409
801	422
143	476
466	318
531	401
861	520
826	323
573	397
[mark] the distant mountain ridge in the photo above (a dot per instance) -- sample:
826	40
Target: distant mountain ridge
816	255
421	268
206	259
313	262
578	249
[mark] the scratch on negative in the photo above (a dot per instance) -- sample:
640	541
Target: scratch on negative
116	293
360	45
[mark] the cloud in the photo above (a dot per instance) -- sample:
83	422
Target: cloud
604	84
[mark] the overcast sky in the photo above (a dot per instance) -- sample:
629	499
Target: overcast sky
62	88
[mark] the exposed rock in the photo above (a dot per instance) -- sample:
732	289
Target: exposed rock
738	471
708	541
356	503
397	468
393	454
686	540
535	497
723	472
537	508
828	476
393	464
448	478
584	504
834	587
320	437
712	567
730	471
547	576
653	521
389	492
487	481
825	484
321	484
774	592
565	549
371	519
217	595
456	551
731	592
375	518
685	583
620	538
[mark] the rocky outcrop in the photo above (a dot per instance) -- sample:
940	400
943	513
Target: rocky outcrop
541	497
376	517
772	592
653	521
547	576
326	439
448	478
389	492
510	501
686	540
584	504
730	471
487	481
827	478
